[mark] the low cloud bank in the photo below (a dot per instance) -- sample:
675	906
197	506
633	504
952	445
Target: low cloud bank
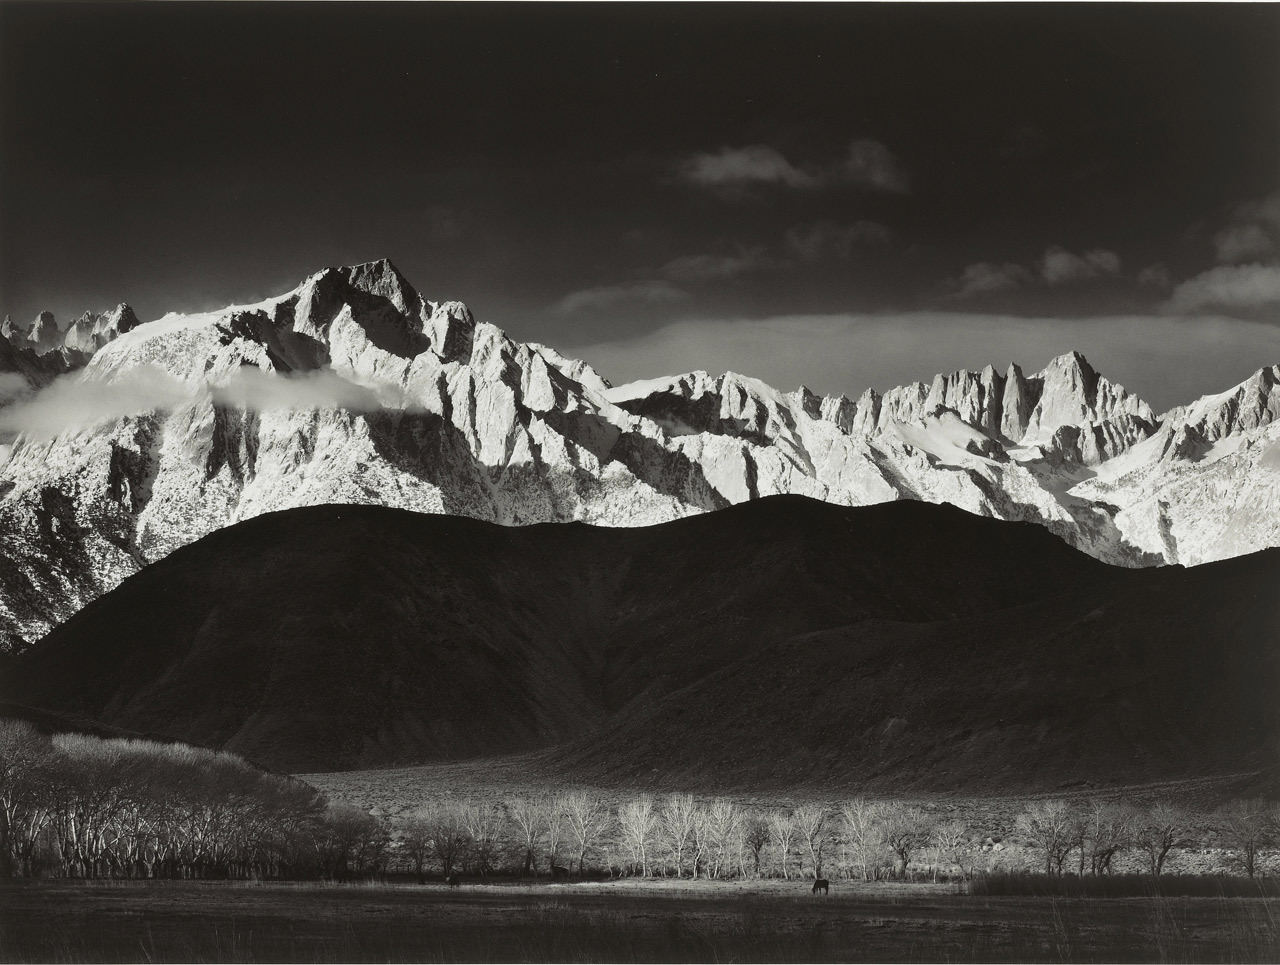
71	403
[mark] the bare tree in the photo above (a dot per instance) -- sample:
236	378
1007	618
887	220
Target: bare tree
812	821
678	816
449	837
862	831
782	829
482	822
638	821
1051	827
906	829
701	837
530	819
415	841
1163	827
755	836
1246	825
26	806
557	828
587	817
350	841
724	829
1109	828
951	839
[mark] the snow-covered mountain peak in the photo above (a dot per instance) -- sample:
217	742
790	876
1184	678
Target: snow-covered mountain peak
45	336
11	331
1253	403
354	387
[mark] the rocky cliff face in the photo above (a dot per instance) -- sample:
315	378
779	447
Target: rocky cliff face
354	388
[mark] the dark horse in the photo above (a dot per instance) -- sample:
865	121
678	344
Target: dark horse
453	881
821	884
559	872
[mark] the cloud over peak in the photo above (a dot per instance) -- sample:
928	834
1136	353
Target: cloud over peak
71	403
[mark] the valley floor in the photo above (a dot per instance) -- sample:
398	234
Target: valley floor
658	921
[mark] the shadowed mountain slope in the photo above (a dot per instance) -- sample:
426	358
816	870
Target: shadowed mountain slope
784	640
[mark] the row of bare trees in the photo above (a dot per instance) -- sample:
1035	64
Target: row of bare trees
78	806
681	836
675	835
1093	833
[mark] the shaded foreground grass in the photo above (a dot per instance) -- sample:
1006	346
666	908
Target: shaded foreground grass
1123	886
56	921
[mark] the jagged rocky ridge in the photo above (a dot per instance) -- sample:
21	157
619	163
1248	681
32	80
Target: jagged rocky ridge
469	422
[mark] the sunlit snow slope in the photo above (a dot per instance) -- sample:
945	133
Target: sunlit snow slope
366	392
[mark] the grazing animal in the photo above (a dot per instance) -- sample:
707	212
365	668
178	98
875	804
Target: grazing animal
821	884
453	881
559	872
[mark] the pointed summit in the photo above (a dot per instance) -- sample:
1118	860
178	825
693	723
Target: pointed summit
1073	393
1017	403
13	333
45	335
383	278
79	336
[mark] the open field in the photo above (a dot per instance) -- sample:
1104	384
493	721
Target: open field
48	921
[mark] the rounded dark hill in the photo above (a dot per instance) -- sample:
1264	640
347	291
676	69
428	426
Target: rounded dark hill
1161	674
333	637
338	636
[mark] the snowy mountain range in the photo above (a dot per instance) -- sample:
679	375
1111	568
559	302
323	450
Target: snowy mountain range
127	441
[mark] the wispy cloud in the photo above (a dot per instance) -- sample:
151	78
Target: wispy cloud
1155	276
738	167
611	296
1233	288
71	402
824	239
873	165
732	170
1252	232
1243	242
715	267
986	277
1060	267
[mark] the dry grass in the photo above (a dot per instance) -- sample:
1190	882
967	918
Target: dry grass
613	922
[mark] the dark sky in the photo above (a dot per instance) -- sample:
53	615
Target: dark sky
840	194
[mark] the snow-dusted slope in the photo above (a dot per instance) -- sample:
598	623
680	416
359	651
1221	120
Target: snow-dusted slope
354	388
